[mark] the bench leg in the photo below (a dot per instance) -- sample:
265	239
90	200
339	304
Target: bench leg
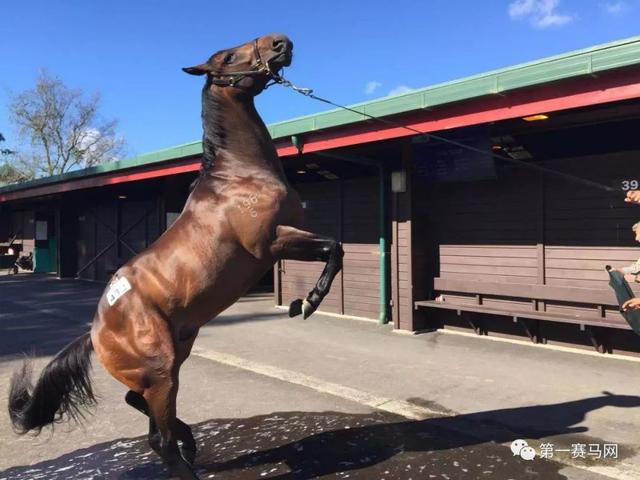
475	323
530	327
598	339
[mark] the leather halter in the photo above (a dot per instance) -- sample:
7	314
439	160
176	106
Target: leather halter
232	78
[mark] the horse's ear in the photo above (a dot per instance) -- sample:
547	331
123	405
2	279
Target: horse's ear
198	69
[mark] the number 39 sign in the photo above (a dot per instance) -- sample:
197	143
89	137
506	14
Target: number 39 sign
630	185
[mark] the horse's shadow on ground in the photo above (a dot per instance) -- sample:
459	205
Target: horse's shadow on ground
303	445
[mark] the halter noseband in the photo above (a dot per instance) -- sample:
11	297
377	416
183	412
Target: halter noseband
232	78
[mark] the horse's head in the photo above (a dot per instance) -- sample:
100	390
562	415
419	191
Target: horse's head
248	67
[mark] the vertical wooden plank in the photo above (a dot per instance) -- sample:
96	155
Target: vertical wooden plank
162	214
340	280
407	312
277	291
540	250
395	263
94	268
58	236
118	227
540	264
146	227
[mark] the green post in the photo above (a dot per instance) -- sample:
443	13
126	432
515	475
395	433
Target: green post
384	301
297	142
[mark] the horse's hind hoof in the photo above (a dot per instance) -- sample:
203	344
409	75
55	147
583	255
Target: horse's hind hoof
182	472
295	308
188	455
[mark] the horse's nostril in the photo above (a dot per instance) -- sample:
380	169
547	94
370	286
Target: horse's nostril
281	43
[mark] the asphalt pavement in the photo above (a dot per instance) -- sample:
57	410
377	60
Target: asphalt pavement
274	397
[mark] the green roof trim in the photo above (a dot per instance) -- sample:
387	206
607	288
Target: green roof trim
595	59
170	153
587	61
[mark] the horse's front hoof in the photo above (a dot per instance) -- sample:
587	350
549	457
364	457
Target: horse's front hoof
307	309
295	308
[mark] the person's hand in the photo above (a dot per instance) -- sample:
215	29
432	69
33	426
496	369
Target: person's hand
629	277
633	196
631	304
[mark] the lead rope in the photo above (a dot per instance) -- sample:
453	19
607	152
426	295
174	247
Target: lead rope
308	92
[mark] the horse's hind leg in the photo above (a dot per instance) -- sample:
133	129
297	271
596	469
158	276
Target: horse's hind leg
161	402
183	433
292	243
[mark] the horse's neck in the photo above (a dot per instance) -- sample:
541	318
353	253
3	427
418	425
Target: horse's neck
236	139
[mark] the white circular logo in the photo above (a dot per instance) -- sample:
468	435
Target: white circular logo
517	446
528	453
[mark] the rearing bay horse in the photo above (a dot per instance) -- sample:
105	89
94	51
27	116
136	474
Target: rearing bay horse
240	218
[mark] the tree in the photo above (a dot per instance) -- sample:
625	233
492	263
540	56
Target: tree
4	151
61	129
8	173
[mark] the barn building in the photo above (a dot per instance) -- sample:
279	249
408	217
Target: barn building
435	235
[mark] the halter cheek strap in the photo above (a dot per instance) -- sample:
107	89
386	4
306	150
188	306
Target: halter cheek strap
230	79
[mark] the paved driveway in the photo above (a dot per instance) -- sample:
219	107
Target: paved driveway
273	397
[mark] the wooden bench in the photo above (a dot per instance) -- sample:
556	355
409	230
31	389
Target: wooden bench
597	300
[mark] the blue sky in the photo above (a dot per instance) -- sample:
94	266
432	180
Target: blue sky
349	51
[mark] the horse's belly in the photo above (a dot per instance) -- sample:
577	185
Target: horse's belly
232	281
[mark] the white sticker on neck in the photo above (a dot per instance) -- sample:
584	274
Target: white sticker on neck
117	289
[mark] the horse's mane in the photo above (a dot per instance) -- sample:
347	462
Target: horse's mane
208	161
214	134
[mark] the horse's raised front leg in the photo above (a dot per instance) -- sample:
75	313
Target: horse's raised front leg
294	244
184	433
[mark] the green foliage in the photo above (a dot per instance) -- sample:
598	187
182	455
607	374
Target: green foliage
8	173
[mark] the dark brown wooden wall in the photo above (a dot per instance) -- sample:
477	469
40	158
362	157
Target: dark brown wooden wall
360	237
6	229
322	216
586	228
525	229
23	224
347	210
98	225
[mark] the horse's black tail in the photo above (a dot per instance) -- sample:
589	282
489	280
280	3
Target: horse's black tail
64	387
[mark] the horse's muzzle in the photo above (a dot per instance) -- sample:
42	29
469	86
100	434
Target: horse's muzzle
281	43
282	48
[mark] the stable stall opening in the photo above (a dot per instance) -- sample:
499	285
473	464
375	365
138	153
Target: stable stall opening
341	195
29	230
105	227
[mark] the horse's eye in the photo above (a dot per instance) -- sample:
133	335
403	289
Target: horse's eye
229	58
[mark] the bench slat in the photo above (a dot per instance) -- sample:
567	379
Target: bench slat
535	315
538	292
